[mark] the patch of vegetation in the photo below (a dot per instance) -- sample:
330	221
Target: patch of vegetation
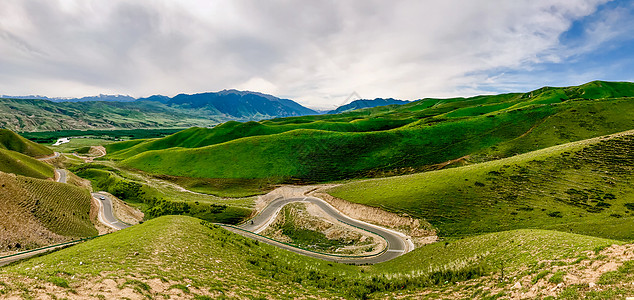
540	275
292	229
58	281
557	277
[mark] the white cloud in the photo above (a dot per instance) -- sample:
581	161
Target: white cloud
316	52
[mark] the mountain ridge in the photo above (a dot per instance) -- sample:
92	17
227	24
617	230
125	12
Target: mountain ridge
204	110
367	103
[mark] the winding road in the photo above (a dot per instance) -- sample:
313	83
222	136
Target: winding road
397	243
55	155
105	214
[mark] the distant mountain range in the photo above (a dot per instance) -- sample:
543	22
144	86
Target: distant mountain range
359	104
102	97
40	113
24	113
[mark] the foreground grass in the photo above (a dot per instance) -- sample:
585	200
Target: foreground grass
583	187
208	261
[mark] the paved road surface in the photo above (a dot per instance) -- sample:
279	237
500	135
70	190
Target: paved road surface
398	243
106	212
62	175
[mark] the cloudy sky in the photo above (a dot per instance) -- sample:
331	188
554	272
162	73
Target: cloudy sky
315	52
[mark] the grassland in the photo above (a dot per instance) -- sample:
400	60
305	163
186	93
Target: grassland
177	256
583	187
9	140
37	212
17	163
76	144
387	140
49	137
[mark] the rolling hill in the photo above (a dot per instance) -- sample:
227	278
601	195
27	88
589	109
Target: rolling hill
206	109
17	163
363	103
16	156
37	212
389	140
582	187
12	141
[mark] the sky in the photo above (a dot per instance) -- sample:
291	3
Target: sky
317	53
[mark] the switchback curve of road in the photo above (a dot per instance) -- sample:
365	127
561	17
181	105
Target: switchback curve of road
106	215
55	155
397	243
62	174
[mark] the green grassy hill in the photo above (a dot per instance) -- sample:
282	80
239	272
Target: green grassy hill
177	256
17	163
583	187
16	156
10	140
37	212
389	140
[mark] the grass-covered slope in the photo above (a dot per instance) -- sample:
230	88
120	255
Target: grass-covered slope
16	156
35	212
389	140
584	187
180	257
10	140
17	163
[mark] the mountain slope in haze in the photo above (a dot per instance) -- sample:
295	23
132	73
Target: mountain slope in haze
203	110
102	97
12	141
240	104
35	212
394	140
359	104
